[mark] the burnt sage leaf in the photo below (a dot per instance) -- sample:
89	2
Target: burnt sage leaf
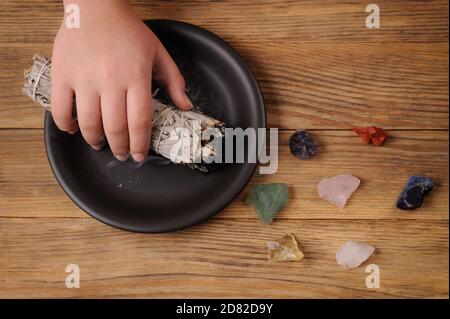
268	200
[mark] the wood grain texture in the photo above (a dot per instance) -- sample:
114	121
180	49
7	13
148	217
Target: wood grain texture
305	85
309	21
29	189
319	68
223	258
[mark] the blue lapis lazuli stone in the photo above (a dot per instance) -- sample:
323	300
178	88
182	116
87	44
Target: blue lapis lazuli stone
414	192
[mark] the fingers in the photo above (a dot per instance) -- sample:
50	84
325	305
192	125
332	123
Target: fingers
139	115
168	74
114	114
61	106
90	117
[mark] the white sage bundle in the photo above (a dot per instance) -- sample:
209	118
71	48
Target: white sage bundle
184	137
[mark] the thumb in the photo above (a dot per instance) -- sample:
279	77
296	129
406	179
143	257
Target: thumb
168	74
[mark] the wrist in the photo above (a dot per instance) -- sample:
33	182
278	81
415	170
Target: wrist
94	12
98	3
96	7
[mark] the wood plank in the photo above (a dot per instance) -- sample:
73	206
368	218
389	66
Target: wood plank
28	188
223	258
308	85
329	86
331	21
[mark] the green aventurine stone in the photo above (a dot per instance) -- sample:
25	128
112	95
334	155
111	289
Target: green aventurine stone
268	200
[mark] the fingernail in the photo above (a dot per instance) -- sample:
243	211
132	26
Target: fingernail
100	144
122	157
138	157
98	147
187	100
76	128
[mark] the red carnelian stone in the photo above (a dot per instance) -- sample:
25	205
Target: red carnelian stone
372	134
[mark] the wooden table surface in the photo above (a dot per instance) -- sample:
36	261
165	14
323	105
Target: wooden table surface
321	69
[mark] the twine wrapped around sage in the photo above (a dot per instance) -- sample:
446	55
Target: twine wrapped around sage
167	121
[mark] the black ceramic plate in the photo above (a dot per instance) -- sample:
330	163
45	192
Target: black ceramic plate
159	196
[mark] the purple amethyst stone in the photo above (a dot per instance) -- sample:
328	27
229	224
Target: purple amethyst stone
302	145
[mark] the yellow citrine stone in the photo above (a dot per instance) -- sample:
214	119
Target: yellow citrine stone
284	249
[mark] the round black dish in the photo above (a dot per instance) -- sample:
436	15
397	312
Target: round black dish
159	196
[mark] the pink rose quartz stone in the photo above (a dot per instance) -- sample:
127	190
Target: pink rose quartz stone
337	190
353	254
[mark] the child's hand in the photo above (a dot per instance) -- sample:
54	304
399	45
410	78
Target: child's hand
107	65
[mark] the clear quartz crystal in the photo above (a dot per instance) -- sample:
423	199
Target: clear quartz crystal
353	254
